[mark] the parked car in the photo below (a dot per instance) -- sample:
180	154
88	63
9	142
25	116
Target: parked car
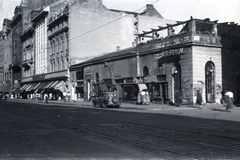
106	99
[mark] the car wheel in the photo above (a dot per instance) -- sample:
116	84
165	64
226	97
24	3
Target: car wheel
104	105
115	100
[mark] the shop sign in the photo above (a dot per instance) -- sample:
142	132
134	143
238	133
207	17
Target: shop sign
88	75
150	79
39	77
128	80
170	52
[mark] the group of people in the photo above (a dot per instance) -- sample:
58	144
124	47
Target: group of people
66	96
228	100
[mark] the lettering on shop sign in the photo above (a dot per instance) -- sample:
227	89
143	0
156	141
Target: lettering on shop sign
89	76
170	52
128	80
39	77
150	79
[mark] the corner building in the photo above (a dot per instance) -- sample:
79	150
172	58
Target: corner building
187	59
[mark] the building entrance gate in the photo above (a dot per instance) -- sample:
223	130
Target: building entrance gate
210	82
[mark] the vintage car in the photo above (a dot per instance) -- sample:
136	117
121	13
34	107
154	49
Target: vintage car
106	99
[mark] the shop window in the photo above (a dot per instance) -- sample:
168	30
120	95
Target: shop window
79	92
79	75
145	71
130	91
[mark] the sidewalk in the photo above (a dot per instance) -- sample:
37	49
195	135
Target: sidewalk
209	111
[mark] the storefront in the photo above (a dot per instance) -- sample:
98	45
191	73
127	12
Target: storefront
173	69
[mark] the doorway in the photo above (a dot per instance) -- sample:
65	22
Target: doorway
176	76
210	82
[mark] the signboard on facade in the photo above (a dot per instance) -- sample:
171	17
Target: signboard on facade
88	75
170	52
150	79
39	77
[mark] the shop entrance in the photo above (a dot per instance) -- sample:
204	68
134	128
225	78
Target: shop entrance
158	92
176	88
210	82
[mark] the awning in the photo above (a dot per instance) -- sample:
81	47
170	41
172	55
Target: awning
61	86
22	88
33	85
142	87
28	88
54	84
47	84
40	86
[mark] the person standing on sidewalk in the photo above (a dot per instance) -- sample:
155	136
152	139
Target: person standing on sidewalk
46	98
229	101
64	96
68	96
199	99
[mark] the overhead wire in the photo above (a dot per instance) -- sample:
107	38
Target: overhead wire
104	26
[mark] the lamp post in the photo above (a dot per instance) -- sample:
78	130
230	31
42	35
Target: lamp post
111	72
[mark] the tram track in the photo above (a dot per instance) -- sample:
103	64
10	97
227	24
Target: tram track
103	122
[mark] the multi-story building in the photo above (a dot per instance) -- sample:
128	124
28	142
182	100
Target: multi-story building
69	32
5	56
21	29
230	39
191	57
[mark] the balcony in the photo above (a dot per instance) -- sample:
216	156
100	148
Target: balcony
27	62
16	64
52	34
55	19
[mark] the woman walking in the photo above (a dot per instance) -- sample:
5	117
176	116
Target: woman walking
229	101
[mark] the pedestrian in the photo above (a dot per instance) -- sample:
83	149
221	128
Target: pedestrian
147	97
46	98
199	99
229	101
177	98
143	96
64	96
68	96
50	96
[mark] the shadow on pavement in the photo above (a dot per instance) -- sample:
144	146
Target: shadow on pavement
220	110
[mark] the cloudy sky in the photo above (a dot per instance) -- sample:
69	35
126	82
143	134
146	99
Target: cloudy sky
222	10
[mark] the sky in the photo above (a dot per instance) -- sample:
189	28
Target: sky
180	10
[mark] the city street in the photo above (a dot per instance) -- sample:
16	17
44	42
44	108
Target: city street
35	130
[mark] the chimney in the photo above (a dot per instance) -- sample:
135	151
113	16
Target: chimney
149	7
118	48
151	11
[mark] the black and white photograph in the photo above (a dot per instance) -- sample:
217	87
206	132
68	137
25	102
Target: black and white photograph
119	80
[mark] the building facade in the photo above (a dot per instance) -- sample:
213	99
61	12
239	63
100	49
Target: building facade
5	56
188	59
58	40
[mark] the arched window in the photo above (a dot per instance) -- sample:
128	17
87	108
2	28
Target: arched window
145	71
210	81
